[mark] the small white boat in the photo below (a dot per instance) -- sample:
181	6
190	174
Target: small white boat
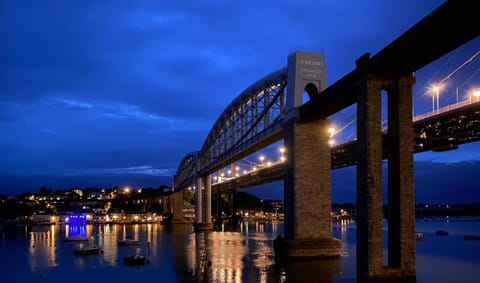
419	236
128	242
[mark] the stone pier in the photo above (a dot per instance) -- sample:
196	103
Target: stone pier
307	186
308	220
178	208
203	199
399	139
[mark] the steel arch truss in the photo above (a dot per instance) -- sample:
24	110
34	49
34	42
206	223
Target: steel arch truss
254	115
186	171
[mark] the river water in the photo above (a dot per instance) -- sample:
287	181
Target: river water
245	254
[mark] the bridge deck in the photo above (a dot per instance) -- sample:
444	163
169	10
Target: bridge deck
444	131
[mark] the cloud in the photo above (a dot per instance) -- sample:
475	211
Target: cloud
135	170
115	84
77	105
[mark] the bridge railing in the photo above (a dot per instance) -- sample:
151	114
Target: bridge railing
344	143
444	109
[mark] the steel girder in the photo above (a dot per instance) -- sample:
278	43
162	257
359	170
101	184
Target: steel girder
253	117
186	171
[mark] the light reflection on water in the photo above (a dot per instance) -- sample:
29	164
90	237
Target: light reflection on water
245	254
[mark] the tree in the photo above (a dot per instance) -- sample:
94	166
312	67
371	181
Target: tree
44	191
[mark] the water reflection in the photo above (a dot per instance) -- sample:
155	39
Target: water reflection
321	270
248	256
42	247
244	254
77	230
218	256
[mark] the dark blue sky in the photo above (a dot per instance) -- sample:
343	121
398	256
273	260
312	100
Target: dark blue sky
104	93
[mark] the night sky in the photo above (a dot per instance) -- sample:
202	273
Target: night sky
105	93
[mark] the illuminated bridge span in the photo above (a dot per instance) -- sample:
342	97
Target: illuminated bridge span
272	109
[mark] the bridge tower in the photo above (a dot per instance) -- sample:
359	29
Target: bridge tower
307	185
401	203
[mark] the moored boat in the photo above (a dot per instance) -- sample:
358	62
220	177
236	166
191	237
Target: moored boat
128	242
419	236
442	233
471	237
87	250
75	239
135	260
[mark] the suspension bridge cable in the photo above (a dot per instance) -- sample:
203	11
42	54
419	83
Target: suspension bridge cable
461	66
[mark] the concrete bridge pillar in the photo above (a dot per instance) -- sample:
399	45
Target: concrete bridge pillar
401	222
178	207
198	201
203	194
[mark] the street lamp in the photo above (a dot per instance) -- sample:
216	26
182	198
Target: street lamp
476	93
262	158
331	131
436	92
282	151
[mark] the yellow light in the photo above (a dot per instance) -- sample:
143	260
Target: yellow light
331	130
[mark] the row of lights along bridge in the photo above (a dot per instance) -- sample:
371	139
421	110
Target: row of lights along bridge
435	90
250	166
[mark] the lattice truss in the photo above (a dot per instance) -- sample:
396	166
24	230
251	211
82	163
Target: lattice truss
258	108
186	169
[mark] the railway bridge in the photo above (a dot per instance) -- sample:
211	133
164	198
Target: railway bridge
272	109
